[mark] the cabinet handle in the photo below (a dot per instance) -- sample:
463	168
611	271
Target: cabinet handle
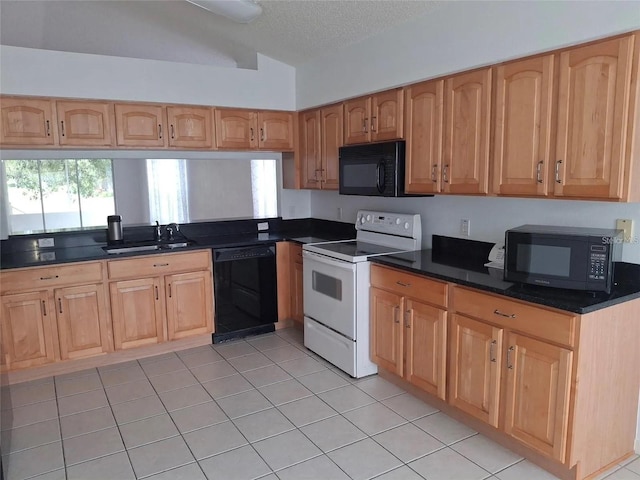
539	172
49	278
169	290
558	163
364	125
407	319
509	364
157	293
160	265
491	347
44	308
62	126
59	304
160	130
508	315
445	173
402	284
396	311
434	172
262	134
48	127
251	133
373	124
173	132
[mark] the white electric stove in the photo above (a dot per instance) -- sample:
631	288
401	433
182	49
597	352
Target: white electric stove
336	287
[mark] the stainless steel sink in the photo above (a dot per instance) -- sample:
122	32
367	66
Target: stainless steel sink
116	249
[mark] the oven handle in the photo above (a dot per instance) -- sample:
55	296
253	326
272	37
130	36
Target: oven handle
315	257
380	173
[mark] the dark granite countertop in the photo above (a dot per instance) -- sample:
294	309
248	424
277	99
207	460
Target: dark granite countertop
470	274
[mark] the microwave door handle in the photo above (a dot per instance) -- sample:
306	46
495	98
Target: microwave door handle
380	173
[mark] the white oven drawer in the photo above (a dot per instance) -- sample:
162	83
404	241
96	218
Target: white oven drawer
331	346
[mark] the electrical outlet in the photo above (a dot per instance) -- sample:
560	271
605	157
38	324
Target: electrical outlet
46	242
465	227
625	225
339	215
262	226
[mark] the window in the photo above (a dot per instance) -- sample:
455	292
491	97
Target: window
47	195
264	188
168	190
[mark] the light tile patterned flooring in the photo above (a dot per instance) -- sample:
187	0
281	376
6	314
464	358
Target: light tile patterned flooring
261	408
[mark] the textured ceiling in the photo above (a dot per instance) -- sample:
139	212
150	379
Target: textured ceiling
292	31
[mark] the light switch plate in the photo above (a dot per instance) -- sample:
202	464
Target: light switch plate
46	242
262	226
625	225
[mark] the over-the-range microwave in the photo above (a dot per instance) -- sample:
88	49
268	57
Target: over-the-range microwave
373	169
562	257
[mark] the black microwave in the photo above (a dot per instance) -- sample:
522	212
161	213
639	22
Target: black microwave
374	169
562	257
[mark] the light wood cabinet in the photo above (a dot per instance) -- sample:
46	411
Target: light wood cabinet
523	125
594	118
467	116
53	313
190	127
408	335
297	306
139	125
424	130
27	121
160	297
251	130
27	330
320	140
85	123
374	118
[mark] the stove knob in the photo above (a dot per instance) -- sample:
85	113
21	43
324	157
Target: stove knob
368	218
406	225
362	219
398	221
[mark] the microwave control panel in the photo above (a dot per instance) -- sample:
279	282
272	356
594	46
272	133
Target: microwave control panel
597	262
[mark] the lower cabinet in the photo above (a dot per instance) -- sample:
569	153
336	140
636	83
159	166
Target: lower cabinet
297	307
408	335
160	297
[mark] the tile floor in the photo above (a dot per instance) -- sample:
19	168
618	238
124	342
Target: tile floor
261	408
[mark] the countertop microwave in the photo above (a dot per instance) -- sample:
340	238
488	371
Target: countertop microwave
373	169
562	257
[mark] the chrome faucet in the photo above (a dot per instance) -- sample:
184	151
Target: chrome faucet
158	232
170	229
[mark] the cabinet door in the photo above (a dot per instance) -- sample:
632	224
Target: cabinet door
387	115
331	141
310	149
475	368
537	394
424	137
467	114
189	304
26	122
357	115
593	116
275	131
137	308
83	328
386	330
426	347
522	139
297	307
236	129
140	125
27	330
190	127
85	123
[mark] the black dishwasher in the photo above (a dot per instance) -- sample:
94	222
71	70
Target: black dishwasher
246	294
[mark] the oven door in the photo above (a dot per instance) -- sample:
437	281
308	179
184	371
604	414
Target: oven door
329	292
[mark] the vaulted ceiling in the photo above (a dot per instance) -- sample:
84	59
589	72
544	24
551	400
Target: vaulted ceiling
292	31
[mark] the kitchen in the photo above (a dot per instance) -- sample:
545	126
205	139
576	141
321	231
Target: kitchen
276	85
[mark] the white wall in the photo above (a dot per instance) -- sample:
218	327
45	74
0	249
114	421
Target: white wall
458	36
28	71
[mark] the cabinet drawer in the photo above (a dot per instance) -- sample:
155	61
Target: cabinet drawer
30	279
406	284
539	322
161	264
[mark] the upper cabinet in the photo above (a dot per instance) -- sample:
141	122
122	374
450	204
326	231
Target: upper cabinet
190	127
27	121
139	125
374	118
85	123
467	116
598	86
251	130
522	136
320	140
